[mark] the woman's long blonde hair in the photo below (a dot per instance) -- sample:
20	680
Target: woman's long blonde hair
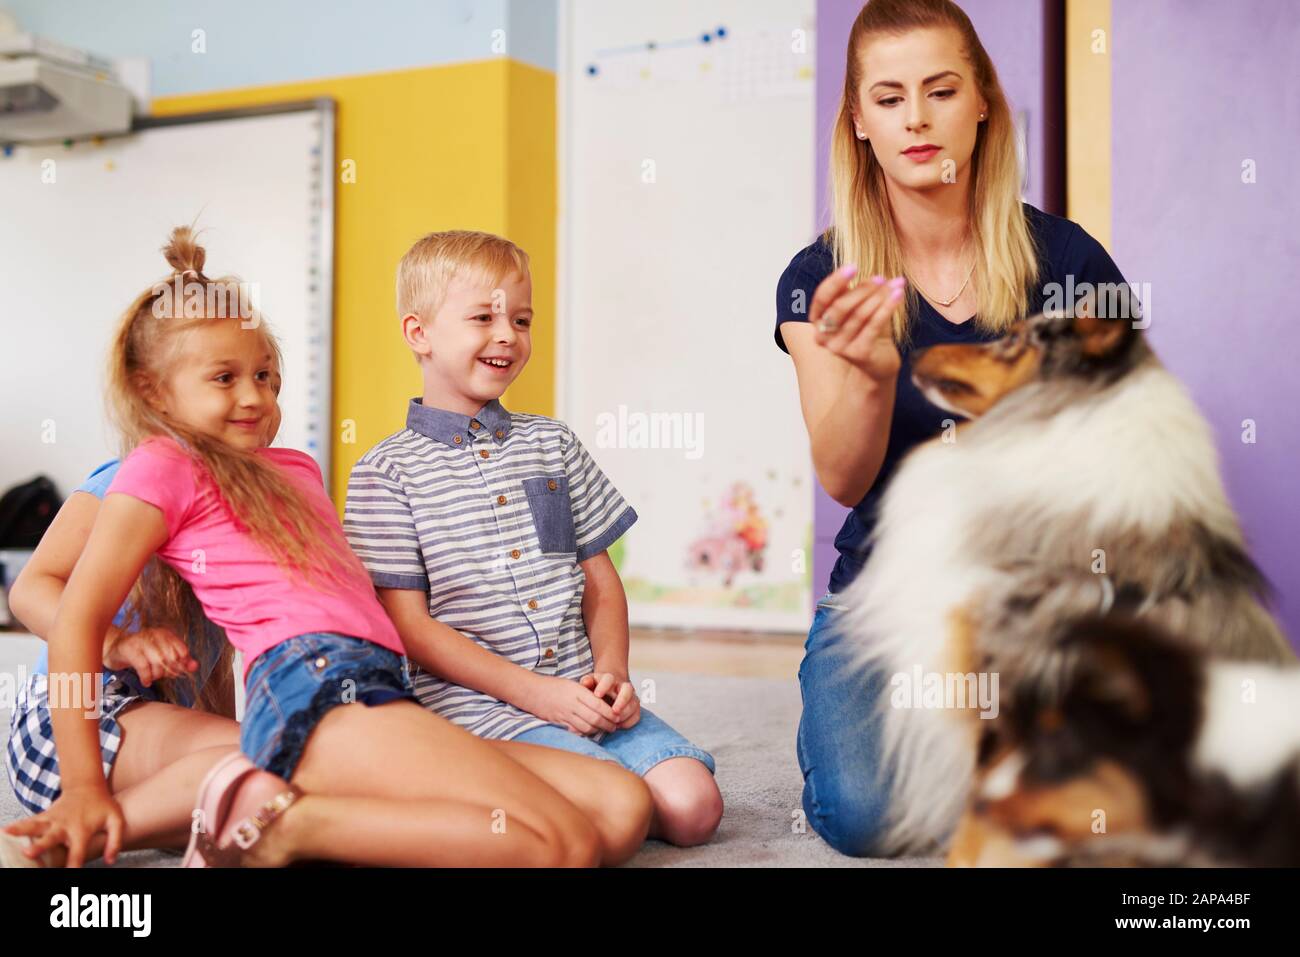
269	505
863	230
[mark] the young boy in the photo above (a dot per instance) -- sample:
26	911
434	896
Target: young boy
485	532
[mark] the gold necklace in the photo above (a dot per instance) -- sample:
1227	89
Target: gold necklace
945	302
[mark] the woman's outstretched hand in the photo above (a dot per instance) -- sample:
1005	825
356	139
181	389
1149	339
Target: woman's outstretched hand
856	323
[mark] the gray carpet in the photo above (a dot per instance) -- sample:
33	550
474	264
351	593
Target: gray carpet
747	724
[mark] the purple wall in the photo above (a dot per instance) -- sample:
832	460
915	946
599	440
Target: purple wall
1197	93
1018	35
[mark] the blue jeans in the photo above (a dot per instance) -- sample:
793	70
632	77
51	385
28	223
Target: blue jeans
293	685
839	741
638	748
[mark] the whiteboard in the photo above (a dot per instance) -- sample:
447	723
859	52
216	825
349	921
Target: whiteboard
81	235
687	182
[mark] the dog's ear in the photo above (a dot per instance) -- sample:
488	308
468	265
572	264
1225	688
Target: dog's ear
1098	336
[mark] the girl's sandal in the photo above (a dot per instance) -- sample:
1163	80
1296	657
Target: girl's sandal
216	795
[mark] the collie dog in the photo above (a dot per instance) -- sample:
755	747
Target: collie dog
1153	754
1086	480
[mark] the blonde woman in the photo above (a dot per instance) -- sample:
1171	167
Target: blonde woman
930	243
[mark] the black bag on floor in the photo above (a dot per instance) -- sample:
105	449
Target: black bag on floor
26	511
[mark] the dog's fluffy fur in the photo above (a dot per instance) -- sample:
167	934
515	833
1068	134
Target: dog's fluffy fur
1154	754
986	540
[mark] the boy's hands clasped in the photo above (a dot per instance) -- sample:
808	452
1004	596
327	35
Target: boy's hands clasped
618	692
596	702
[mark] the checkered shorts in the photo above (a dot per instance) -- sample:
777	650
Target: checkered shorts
30	758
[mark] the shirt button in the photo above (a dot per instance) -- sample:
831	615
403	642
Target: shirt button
473	424
501	500
500	434
550	653
484	453
456	439
532	603
321	662
551	485
514	553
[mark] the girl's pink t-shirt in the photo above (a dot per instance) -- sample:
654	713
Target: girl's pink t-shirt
238	583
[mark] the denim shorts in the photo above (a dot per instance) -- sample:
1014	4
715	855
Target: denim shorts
638	748
292	686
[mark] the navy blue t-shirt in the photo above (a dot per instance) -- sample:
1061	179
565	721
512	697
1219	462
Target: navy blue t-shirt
1064	249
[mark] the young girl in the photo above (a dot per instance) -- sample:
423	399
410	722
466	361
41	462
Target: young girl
251	531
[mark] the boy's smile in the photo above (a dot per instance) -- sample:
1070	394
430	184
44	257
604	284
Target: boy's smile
476	343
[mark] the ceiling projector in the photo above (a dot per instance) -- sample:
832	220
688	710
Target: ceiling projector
52	92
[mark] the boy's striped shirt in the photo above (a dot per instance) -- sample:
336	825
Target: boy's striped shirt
490	515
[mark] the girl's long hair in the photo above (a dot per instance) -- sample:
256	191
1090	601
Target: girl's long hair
863	230
272	509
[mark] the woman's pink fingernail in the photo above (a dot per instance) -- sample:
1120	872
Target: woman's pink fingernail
877	279
848	270
896	293
898	282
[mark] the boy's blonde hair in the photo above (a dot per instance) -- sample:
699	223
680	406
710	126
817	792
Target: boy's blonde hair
428	267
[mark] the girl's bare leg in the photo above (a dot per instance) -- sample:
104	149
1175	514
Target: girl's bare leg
156	734
165	753
157	810
614	799
395	785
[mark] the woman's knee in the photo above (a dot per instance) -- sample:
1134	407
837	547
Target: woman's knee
852	819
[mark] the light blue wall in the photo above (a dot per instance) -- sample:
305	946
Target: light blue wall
534	32
260	42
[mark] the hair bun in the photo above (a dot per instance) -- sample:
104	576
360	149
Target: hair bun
184	254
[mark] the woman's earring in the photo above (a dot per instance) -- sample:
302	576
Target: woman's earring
861	135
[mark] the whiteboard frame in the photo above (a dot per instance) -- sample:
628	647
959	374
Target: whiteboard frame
320	361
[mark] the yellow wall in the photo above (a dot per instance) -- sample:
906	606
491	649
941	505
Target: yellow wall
467	146
1087	116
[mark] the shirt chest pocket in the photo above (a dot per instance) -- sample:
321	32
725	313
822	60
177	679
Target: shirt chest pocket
548	500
